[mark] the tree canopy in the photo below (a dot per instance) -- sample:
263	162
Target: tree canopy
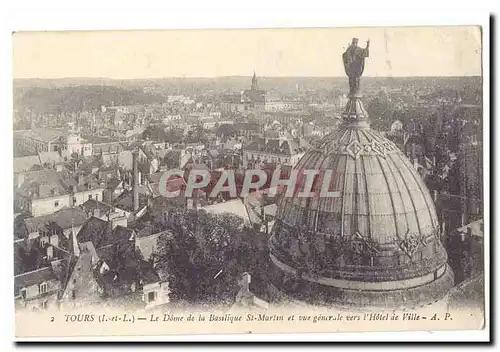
205	256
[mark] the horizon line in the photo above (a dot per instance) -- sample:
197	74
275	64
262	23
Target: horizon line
230	76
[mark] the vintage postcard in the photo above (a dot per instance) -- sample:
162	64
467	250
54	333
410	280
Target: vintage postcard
286	180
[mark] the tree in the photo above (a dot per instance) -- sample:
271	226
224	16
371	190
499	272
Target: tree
202	261
174	135
171	159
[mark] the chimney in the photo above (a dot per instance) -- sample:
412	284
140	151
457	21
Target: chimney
245	282
469	232
75	249
97	213
135	183
443	230
80	179
50	252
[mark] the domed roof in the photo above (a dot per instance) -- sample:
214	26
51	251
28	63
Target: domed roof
379	233
382	196
376	241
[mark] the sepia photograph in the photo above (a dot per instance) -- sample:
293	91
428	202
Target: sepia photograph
277	180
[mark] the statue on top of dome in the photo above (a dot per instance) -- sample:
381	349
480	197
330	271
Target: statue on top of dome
354	64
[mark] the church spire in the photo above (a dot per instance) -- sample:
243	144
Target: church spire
74	248
255	85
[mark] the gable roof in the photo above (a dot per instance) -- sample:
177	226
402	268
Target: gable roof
41	184
282	146
122	234
44	134
96	231
100	234
125	201
91	205
31	278
24	163
64	218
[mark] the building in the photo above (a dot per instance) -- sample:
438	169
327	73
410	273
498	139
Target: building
377	244
52	140
232	103
466	250
74	144
50	229
37	289
38	139
284	150
38	161
283	105
47	191
470	151
253	98
284	117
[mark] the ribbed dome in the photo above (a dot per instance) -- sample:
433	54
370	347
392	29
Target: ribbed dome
380	234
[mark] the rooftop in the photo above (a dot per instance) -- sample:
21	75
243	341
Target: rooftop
31	278
43	134
90	206
25	163
279	146
64	218
49	183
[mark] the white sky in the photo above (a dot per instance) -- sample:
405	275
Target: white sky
394	51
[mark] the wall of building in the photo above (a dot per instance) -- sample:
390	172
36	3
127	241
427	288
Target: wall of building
33	291
82	197
49	205
44	302
82	288
160	292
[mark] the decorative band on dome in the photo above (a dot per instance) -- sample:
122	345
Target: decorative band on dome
364	285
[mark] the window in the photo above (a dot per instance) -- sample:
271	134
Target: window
23	292
56	203
45	304
151	296
90	196
97	197
74	200
43	288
